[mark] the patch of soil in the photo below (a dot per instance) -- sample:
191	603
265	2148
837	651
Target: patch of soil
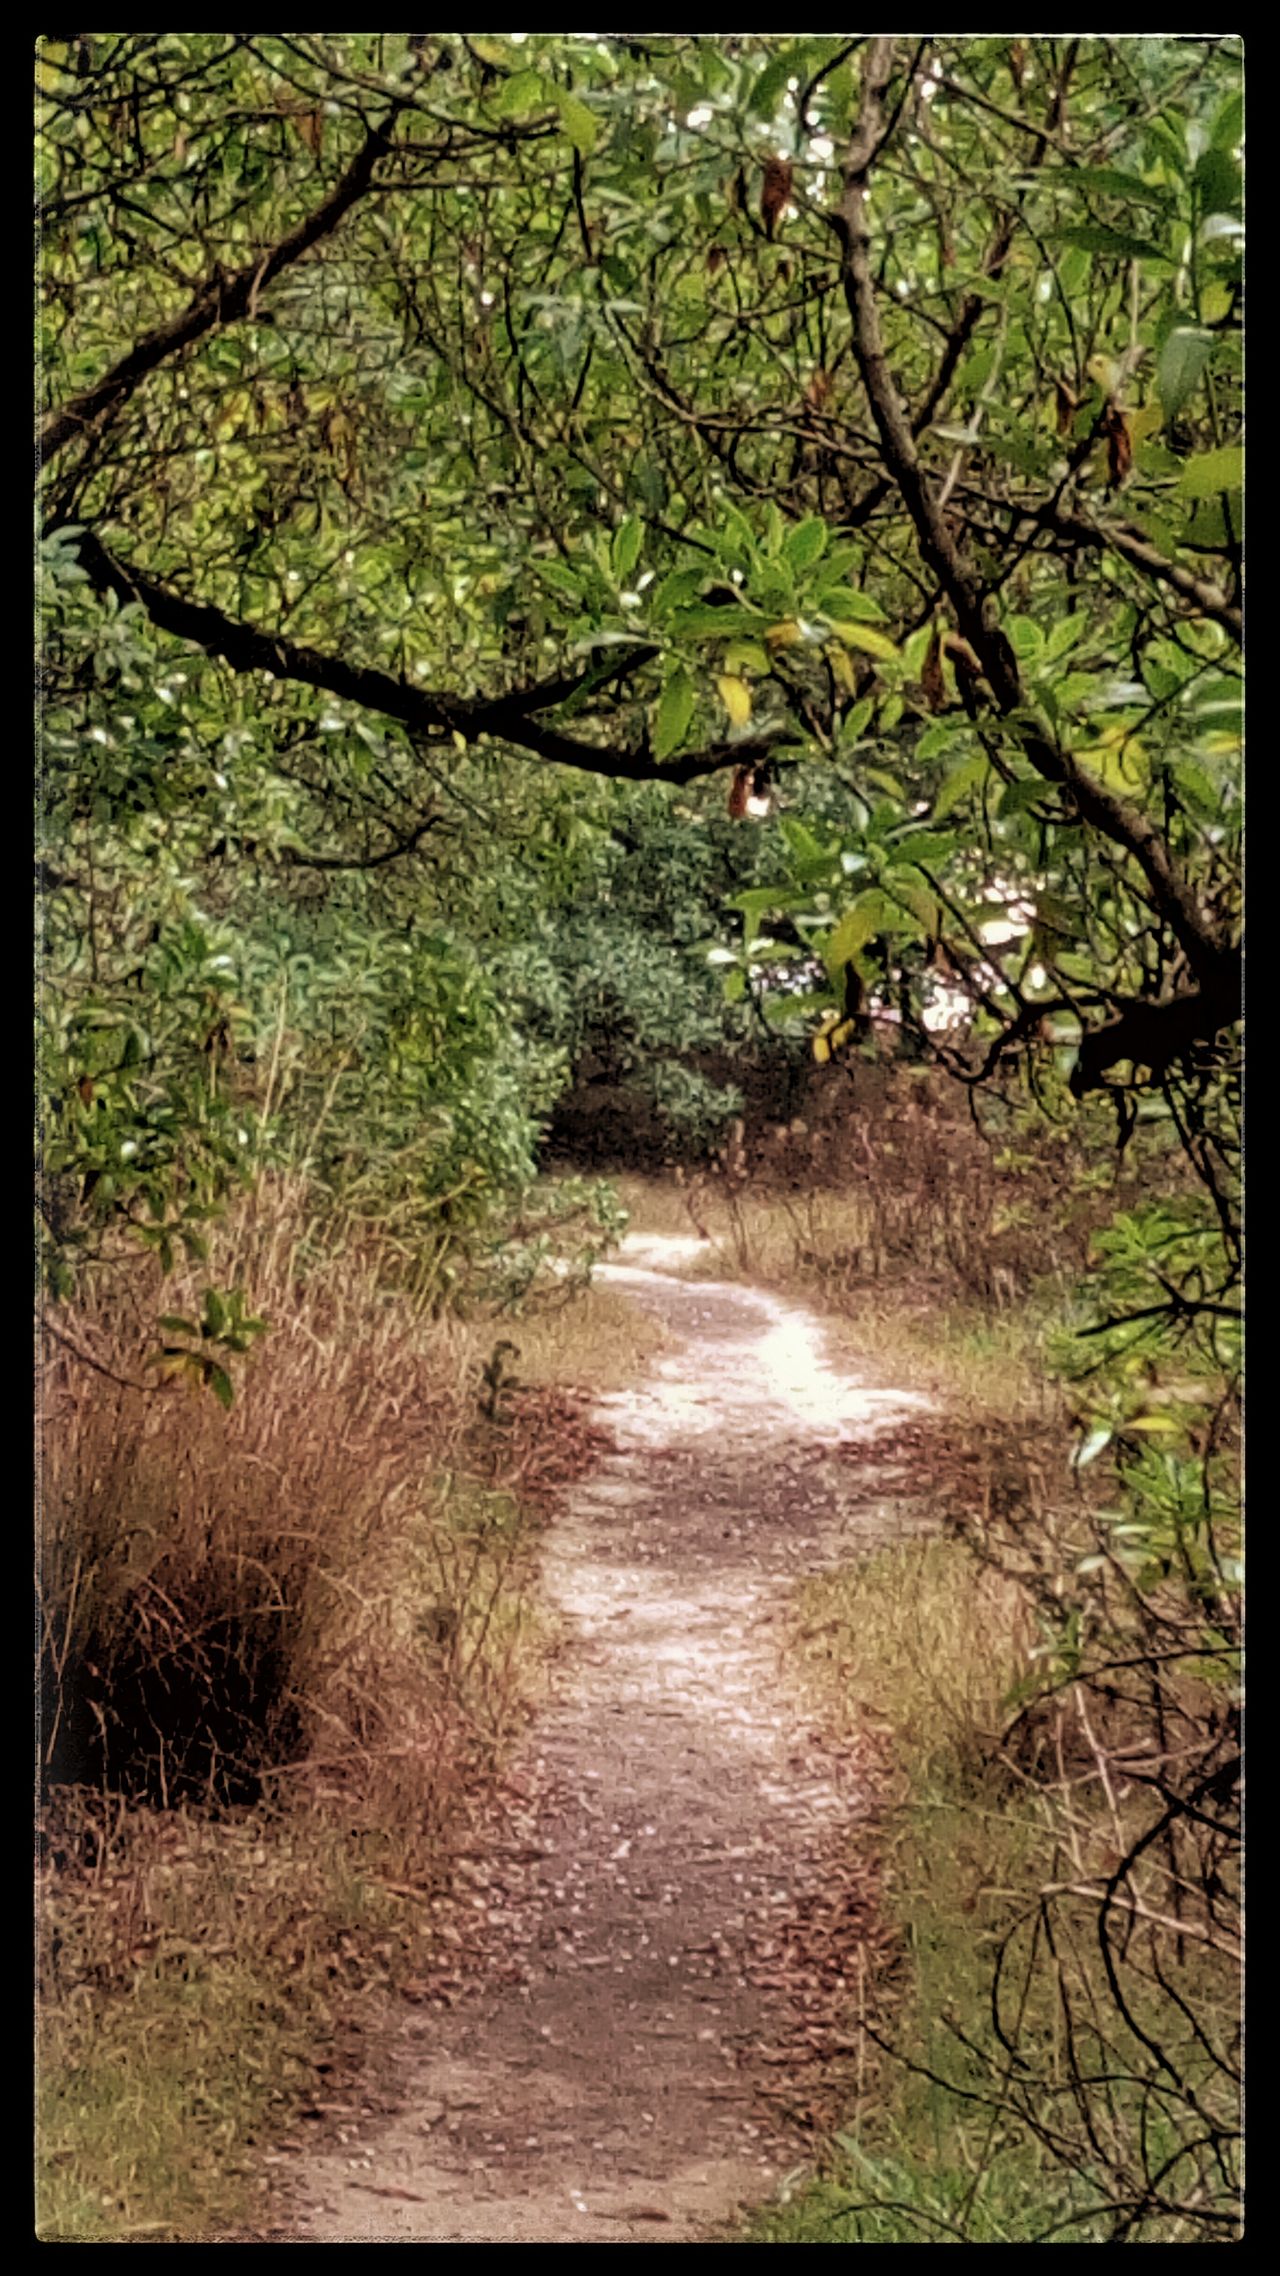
651	1959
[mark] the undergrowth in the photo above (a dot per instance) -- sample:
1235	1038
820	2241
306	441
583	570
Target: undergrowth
284	1649
1007	2098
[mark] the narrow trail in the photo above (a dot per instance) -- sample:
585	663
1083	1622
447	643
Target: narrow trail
659	1902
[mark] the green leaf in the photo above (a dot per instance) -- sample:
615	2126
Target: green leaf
1017	796
931	846
735	527
845	601
1094	237
1228	126
1217	182
1025	638
761	902
675	710
1115	182
801	840
1059	917
1214	471
581	125
1182	360
1065	634
220	1384
861	636
627	542
805	544
561	579
873	912
771	85
524	93
854	722
1207	524
677	589
1198	790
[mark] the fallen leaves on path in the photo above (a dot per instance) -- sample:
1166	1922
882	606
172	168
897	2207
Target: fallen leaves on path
662	1935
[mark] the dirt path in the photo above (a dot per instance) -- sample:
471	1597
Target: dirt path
666	1927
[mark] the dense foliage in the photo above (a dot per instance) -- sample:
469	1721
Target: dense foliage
421	409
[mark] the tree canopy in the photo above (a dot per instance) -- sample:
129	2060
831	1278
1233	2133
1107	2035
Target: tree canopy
462	457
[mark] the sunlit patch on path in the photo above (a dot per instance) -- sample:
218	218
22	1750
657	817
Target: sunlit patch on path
756	1365
663	1921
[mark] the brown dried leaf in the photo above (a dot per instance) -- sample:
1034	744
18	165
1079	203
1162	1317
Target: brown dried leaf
932	679
775	193
1119	445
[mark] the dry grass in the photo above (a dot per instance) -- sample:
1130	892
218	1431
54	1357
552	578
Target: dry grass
920	1638
993	1874
597	1341
194	1976
283	1650
222	1592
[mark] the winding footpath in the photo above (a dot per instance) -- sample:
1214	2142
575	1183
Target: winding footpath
665	1928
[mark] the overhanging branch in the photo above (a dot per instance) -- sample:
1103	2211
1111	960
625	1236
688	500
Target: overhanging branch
507	718
1156	1035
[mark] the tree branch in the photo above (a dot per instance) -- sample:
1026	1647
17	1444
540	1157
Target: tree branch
247	648
219	300
407	844
1155	1035
1132	547
1207	953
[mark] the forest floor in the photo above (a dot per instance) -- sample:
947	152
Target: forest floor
652	1960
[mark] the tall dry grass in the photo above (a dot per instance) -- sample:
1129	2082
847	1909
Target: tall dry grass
282	1649
222	1593
888	1180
